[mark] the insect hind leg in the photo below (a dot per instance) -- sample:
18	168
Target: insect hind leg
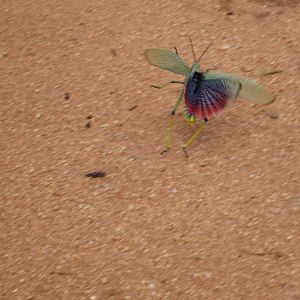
170	124
193	137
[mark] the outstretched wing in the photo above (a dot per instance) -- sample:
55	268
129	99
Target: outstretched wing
250	91
205	98
167	60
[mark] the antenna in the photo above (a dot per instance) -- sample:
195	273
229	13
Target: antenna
191	43
203	52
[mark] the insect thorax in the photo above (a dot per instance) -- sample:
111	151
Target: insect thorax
193	83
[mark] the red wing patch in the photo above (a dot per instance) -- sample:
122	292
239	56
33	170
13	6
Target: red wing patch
205	98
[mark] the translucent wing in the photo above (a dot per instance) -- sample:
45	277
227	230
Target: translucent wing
167	60
205	98
250	90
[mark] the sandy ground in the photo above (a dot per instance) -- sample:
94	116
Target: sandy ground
221	224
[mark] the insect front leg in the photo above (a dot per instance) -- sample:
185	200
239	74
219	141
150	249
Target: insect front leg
170	124
193	137
167	83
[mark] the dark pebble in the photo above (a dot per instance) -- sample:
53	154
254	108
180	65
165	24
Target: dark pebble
271	114
113	52
96	174
67	96
132	107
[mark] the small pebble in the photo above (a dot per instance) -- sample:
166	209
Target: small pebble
207	275
132	107
113	52
131	206
3	54
96	174
225	46
271	72
247	68
104	280
271	114
66	96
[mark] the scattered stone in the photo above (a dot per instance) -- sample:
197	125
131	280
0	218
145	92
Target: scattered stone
174	190
277	254
247	68
261	15
96	174
113	52
125	249
203	164
116	122
271	72
271	114
67	96
131	206
226	5
104	280
88	124
3	54
122	149
225	46
132	107
207	275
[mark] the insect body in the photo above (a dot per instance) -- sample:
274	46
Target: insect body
204	98
206	93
